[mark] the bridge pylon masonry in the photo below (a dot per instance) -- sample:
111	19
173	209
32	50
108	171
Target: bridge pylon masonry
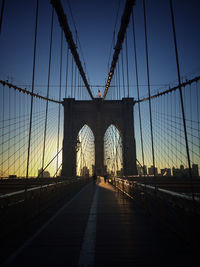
98	115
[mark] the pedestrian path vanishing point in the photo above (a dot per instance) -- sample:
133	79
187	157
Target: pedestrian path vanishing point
100	226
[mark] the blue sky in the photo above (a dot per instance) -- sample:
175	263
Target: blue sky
95	22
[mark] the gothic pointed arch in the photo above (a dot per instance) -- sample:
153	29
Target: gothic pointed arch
85	153
113	159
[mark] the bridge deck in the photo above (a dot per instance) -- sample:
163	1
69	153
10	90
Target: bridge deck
100	226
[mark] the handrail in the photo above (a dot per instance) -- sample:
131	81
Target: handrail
153	188
34	188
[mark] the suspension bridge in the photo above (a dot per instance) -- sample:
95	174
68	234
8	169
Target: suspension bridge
141	141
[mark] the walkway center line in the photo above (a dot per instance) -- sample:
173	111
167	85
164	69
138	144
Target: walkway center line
39	231
87	252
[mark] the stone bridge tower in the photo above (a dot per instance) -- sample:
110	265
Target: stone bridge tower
98	115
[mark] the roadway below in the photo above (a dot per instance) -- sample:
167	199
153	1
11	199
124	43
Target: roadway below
98	226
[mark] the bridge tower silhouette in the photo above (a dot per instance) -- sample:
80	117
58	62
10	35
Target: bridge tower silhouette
98	115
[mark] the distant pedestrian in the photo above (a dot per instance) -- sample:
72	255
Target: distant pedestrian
94	178
99	93
105	178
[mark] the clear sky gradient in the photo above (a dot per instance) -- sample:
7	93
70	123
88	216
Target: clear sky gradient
95	22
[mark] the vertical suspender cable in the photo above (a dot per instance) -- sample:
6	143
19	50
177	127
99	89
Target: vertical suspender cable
33	81
61	46
47	103
75	69
75	81
147	63
2	10
81	91
67	71
9	117
198	113
3	117
117	88
78	86
127	65
181	98
191	123
138	93
119	79
123	72
114	82
19	155
15	116
72	78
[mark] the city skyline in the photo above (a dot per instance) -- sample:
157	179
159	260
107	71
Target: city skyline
173	171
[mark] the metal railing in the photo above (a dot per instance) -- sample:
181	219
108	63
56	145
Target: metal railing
17	208
133	188
177	211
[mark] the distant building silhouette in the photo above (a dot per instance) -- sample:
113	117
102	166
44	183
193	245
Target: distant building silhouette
176	172
139	170
182	168
195	169
145	169
142	170
151	171
185	171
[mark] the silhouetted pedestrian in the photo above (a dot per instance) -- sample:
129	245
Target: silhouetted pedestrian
94	178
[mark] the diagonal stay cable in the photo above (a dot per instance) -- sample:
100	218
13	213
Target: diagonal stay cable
169	90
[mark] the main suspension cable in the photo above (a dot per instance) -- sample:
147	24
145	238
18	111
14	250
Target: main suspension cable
120	38
69	38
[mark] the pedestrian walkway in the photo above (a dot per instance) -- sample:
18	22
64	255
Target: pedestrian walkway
100	226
